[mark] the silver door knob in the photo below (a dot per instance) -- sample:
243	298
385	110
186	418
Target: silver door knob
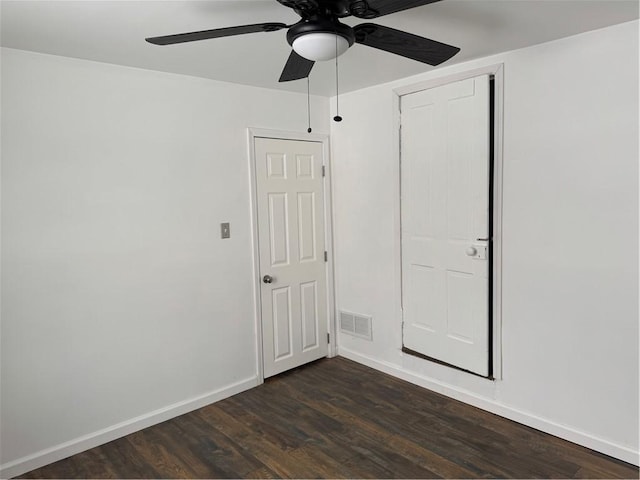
267	279
471	251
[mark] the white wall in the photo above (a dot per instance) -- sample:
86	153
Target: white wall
570	241
120	302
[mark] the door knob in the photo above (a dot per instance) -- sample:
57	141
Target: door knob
471	251
267	279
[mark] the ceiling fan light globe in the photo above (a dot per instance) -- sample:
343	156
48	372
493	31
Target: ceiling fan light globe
320	46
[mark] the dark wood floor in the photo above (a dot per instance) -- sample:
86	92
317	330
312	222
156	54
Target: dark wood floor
336	419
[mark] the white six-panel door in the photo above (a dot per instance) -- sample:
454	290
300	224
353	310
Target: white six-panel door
291	237
445	223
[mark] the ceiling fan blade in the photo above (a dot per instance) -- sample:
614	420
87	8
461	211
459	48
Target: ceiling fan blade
378	8
215	33
404	44
297	67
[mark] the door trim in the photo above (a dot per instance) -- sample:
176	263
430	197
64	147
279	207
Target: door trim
497	72
252	134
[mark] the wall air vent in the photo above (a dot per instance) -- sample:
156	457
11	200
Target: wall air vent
356	324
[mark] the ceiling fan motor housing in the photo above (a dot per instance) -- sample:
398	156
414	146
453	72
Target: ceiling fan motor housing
320	25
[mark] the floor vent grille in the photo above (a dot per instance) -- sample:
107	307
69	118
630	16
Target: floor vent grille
356	324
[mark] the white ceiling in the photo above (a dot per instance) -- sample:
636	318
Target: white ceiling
114	31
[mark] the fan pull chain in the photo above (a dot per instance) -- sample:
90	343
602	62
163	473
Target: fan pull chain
308	106
337	118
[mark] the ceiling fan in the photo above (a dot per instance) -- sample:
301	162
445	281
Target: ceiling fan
320	35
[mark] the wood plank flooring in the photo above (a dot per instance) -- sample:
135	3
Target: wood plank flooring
338	419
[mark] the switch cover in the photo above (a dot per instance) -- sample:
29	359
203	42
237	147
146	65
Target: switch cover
225	230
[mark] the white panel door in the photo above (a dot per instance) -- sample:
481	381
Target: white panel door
293	278
445	223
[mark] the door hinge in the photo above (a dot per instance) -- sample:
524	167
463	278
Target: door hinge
326	256
328	338
324	172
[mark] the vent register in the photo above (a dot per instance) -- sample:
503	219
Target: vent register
356	325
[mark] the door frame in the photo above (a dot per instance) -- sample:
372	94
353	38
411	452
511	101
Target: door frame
497	72
252	134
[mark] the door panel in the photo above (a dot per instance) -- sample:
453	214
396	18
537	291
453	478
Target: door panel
281	319
290	198
279	228
445	214
309	311
307	226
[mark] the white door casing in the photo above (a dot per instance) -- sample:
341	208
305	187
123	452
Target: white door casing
445	141
291	246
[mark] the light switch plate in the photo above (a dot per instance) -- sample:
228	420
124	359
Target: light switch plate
225	230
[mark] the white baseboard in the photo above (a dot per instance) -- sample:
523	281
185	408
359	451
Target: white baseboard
77	445
581	438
